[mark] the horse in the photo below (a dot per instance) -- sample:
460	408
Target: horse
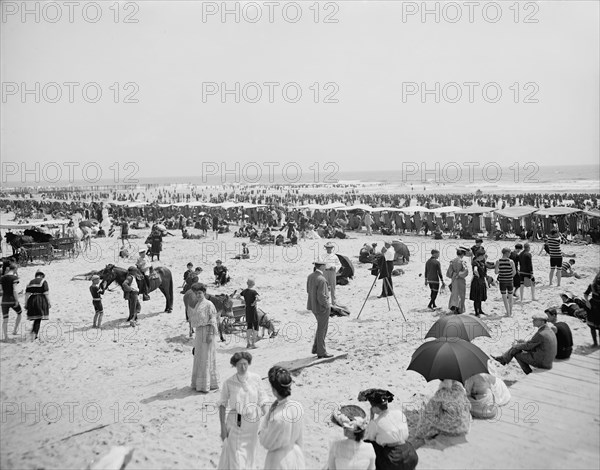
112	273
17	241
38	236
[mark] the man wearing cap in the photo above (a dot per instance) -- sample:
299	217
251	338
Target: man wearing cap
331	266
457	272
539	351
564	337
318	304
132	295
143	267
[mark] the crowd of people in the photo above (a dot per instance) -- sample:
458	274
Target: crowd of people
382	441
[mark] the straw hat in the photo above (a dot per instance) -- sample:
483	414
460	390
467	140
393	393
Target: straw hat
350	417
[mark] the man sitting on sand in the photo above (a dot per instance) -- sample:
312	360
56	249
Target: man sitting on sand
568	271
539	351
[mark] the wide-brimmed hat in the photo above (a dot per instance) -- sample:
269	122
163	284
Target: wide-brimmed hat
95	277
351	417
142	250
329	245
319	262
540	316
376	396
465	249
219	261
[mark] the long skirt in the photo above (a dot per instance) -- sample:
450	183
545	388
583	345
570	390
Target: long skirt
239	449
204	372
478	291
395	457
457	296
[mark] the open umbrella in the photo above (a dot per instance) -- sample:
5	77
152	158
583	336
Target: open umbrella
462	326
347	269
448	358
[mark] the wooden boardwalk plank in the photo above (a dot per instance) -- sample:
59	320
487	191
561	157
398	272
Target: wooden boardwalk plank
552	422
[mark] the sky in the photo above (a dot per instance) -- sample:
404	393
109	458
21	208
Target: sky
361	81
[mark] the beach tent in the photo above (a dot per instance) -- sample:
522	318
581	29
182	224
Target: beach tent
592	213
557	211
516	212
445	209
358	207
414	209
475	210
12	225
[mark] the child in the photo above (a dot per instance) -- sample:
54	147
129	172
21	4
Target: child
250	297
190	267
96	292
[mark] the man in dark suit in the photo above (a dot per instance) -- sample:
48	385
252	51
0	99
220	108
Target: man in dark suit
318	303
564	337
539	351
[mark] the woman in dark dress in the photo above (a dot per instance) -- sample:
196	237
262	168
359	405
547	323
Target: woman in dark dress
37	302
478	292
156	246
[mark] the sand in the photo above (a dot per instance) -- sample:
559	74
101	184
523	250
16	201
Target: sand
136	382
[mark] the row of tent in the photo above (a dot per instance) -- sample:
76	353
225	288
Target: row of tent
515	212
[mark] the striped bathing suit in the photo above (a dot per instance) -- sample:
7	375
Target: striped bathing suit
505	277
555	252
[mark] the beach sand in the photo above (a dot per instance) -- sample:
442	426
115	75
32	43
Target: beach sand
137	381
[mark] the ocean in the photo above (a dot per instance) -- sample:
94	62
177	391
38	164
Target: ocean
449	177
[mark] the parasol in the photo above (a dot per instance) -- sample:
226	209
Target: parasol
449	358
463	326
347	269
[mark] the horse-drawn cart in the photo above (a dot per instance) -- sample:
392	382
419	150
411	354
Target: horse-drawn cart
36	251
66	245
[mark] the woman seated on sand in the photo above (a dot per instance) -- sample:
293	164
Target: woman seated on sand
447	412
486	392
388	433
351	453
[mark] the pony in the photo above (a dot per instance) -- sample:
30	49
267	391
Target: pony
112	273
17	241
223	304
38	236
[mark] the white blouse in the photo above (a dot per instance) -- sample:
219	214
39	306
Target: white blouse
246	398
388	427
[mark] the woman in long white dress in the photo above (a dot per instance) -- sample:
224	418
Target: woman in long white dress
281	430
203	317
245	397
